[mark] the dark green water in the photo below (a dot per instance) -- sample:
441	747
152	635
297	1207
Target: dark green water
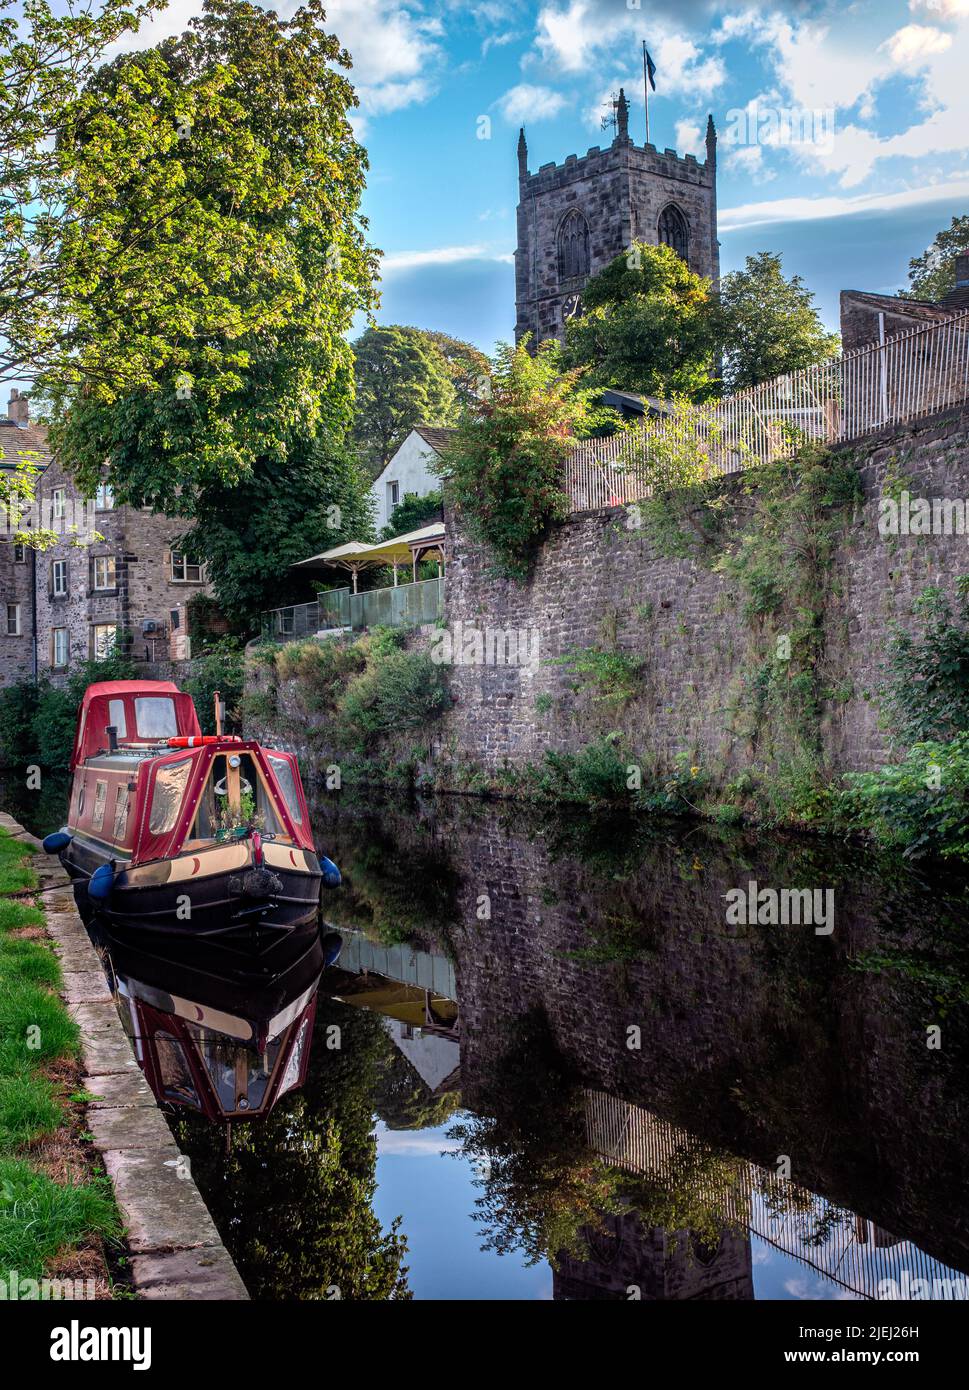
546	1064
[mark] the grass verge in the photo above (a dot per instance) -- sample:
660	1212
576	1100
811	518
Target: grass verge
54	1212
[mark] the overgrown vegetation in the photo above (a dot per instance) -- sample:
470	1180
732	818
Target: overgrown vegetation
38	719
503	468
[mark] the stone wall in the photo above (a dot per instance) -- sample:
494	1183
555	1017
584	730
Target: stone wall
598	583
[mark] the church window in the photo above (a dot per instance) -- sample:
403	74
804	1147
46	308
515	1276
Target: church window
573	247
674	232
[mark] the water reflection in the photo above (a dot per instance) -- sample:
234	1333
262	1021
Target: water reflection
634	1093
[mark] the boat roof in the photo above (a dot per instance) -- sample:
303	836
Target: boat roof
91	737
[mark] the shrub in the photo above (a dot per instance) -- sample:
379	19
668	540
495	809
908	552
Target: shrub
398	690
18	711
929	673
614	675
596	775
920	805
220	667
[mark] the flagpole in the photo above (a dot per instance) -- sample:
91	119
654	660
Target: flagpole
646	90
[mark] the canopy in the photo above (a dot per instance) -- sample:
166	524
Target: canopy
355	555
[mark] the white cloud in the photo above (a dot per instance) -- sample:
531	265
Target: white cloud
917	41
690	139
440	255
945	9
526	102
812	207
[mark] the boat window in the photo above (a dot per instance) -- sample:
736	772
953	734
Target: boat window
155	716
283	770
215	819
174	1070
100	797
120	813
291	1075
116	717
239	1074
170	783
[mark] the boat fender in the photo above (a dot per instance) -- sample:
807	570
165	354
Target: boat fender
332	945
331	874
100	883
56	841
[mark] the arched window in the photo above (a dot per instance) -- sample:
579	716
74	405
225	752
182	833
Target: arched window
674	232
573	246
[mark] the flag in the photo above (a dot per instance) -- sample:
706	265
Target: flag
651	69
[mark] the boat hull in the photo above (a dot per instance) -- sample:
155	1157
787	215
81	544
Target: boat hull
206	892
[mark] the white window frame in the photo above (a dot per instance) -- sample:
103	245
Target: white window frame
105	560
58	503
97	655
17	630
55	633
104	498
393	496
179	561
58	566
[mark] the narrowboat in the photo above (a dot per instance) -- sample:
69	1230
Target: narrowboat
176	831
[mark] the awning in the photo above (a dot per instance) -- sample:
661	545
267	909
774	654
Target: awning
399	550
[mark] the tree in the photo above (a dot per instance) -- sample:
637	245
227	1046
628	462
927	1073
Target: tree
768	324
646	325
467	366
504	465
216	257
403	379
933	274
251	533
412	512
44	58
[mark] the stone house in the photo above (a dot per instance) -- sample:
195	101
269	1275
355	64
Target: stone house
113	576
862	314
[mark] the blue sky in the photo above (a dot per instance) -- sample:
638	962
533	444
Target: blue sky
885	84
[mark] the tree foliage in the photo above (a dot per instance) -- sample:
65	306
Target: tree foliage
413	512
768	324
503	467
216	256
403	379
933	274
647	325
251	533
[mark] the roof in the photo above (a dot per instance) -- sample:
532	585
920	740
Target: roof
956	299
437	436
925	309
15	440
382	553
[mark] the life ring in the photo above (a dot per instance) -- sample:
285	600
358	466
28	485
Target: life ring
221	789
196	740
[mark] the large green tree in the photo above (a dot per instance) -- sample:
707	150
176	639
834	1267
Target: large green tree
250	533
646	325
768	324
403	379
933	274
217	255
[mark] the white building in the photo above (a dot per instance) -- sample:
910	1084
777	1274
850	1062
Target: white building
409	471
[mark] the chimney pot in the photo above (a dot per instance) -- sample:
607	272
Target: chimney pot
18	409
962	270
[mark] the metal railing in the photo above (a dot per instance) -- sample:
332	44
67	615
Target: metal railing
845	1248
404	605
917	373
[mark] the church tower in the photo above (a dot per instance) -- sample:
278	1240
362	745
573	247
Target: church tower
575	217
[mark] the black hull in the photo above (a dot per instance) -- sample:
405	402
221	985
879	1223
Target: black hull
209	908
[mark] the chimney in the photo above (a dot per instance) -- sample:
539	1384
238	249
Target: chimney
19	408
962	270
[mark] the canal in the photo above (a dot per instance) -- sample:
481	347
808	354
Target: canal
533	1055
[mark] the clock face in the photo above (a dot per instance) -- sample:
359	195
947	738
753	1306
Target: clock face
572	306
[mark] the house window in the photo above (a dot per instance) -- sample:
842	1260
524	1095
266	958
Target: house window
13	619
104	498
59	503
104	572
103	639
58	578
59	647
393	496
19	554
185	571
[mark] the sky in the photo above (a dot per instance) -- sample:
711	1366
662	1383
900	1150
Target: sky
874	164
879	88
